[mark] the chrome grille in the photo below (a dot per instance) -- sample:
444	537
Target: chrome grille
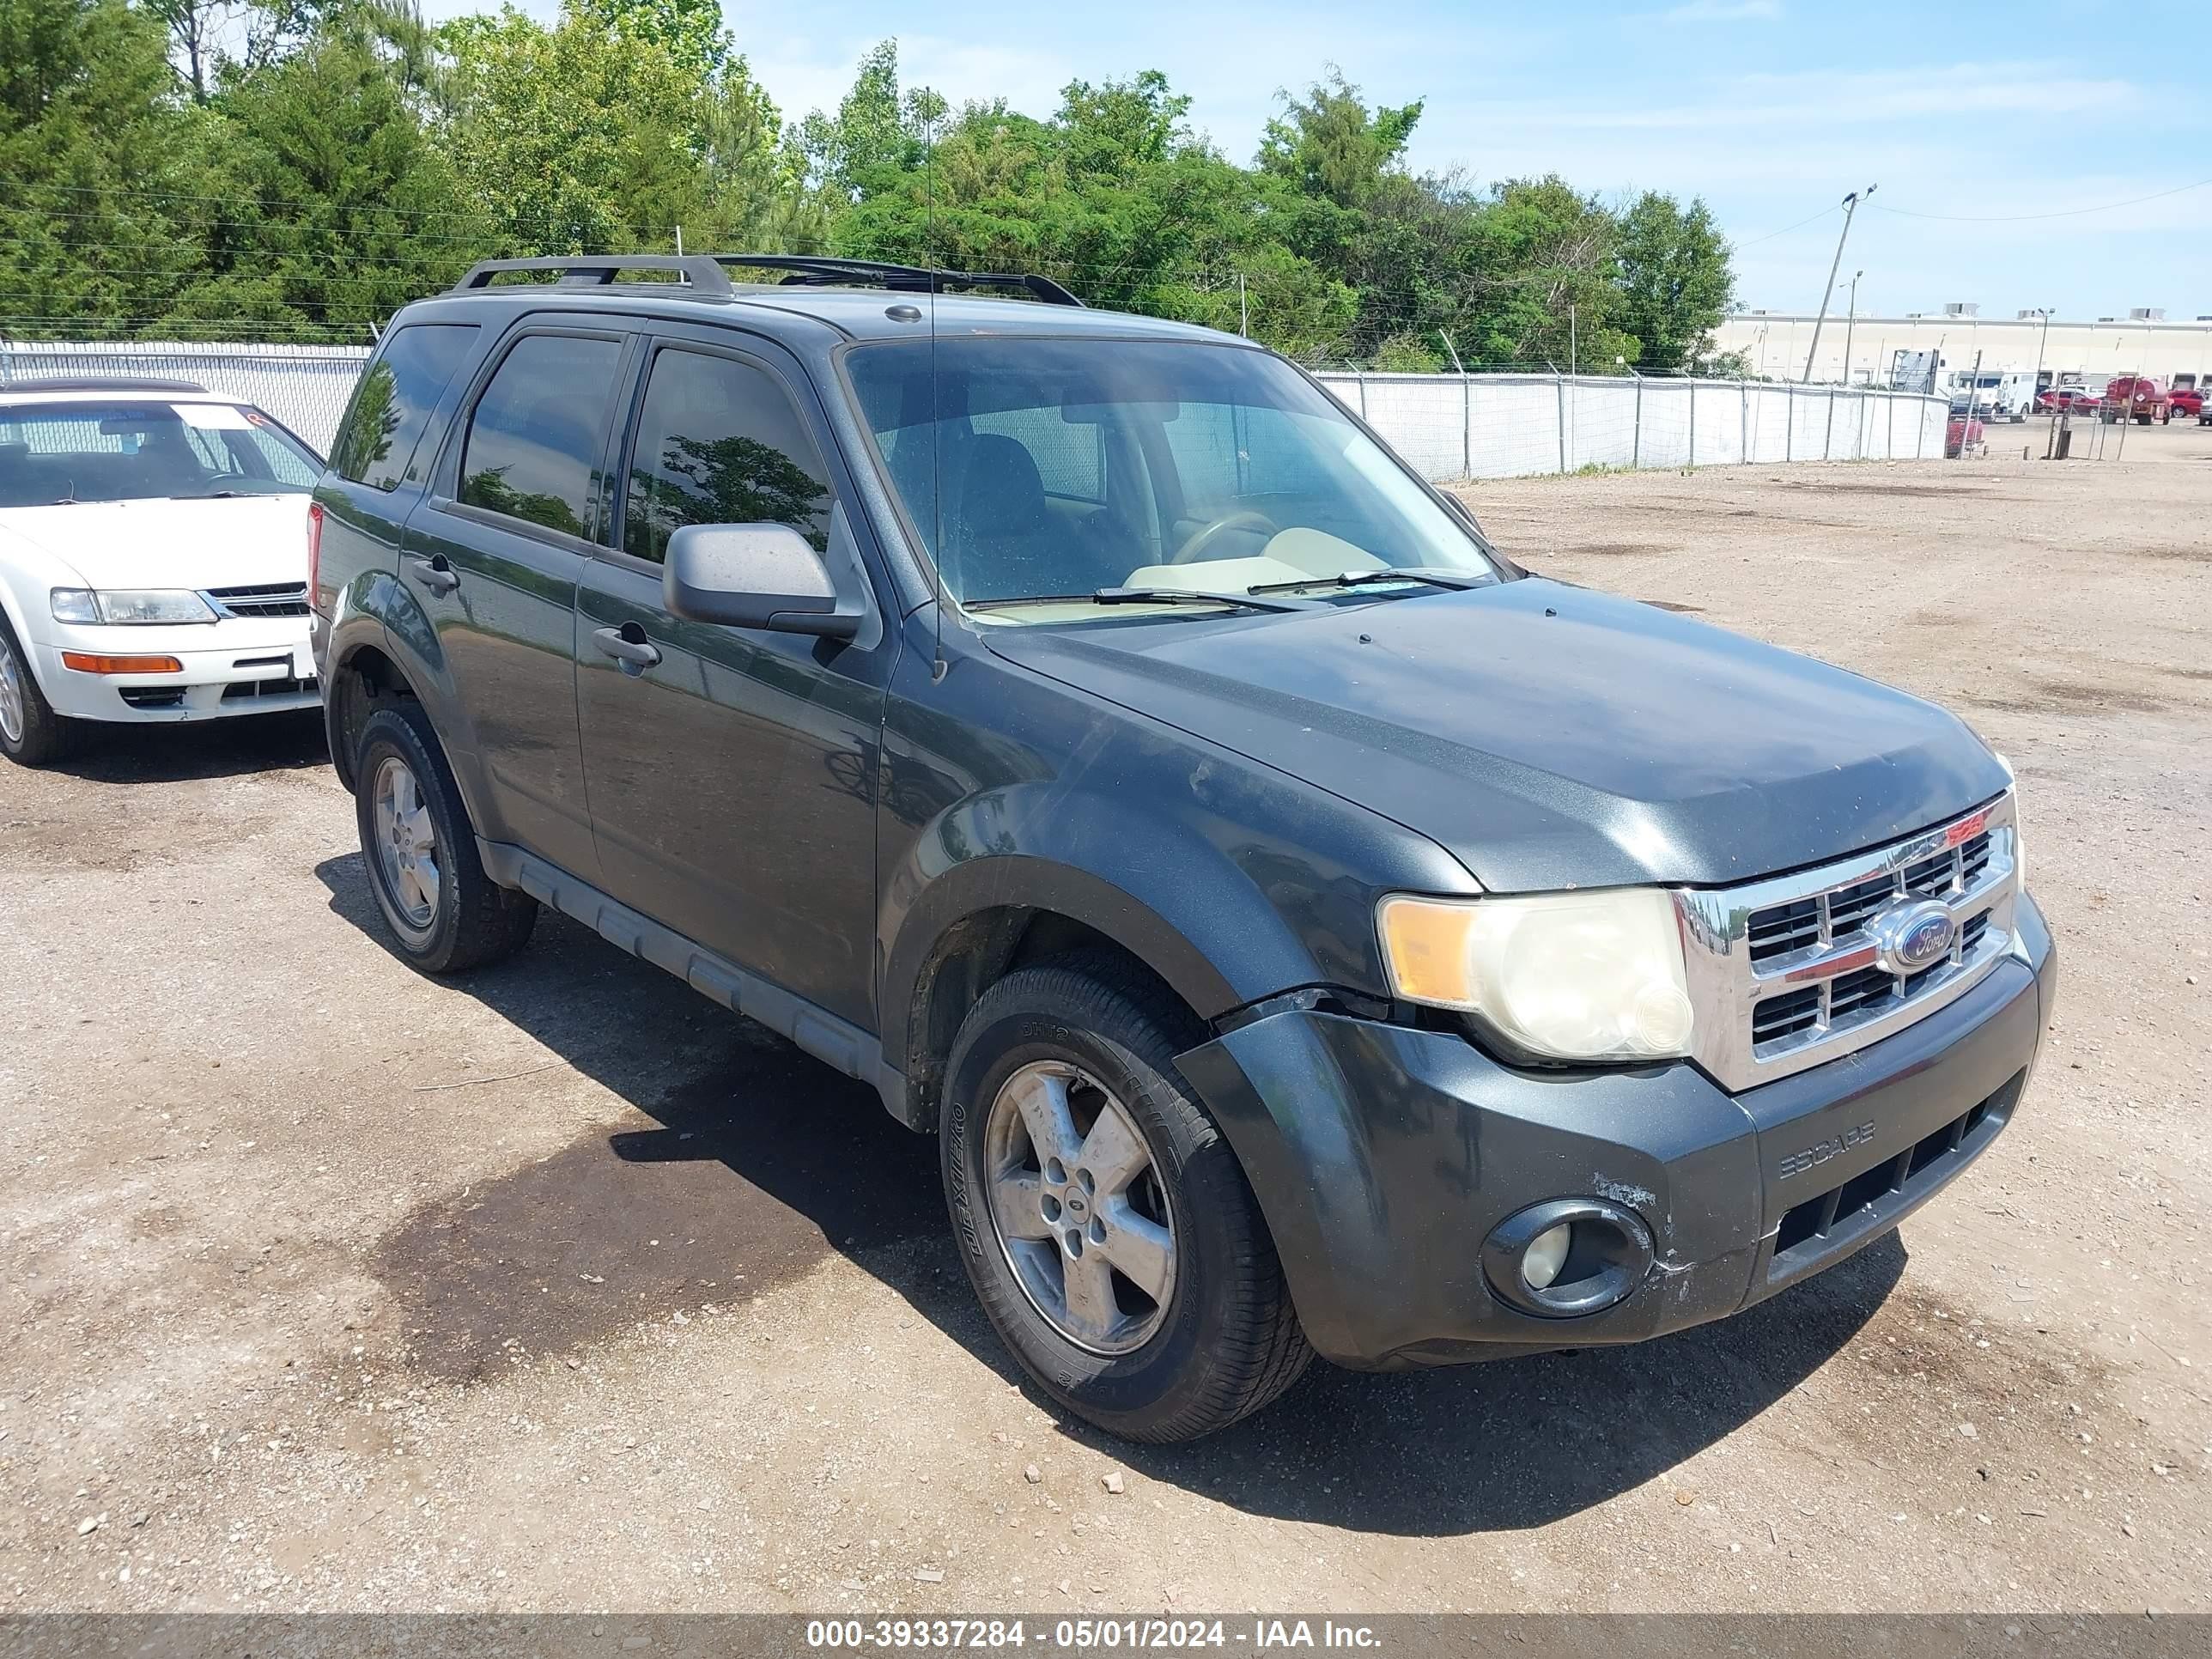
265	600
1784	973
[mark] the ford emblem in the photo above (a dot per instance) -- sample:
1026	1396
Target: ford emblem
1911	938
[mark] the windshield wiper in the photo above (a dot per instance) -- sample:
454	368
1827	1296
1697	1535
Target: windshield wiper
1371	578
215	496
1138	596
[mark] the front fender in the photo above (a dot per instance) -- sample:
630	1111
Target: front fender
1007	791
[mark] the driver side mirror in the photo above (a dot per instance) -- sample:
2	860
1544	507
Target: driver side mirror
754	575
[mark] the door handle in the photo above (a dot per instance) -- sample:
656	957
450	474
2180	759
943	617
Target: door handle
435	574
627	645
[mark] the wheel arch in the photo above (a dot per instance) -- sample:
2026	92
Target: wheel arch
362	679
983	919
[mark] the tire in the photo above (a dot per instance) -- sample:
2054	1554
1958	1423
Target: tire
408	808
31	734
1224	1341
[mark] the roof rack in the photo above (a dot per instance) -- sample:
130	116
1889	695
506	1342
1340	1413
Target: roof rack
97	383
704	275
601	270
817	269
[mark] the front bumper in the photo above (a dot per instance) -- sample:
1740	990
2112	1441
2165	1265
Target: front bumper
240	665
1382	1157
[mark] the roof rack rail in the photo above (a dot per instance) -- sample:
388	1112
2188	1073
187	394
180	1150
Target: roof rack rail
704	275
699	270
815	270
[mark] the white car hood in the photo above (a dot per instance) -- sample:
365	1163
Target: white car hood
243	541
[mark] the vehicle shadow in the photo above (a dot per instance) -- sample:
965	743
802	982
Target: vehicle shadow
189	751
762	1162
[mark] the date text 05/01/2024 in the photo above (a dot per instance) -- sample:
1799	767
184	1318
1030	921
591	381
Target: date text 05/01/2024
1088	1635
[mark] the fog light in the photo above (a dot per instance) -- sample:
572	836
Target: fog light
1546	1254
1567	1258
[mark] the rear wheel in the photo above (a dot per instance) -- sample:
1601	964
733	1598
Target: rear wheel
31	734
1105	1223
444	912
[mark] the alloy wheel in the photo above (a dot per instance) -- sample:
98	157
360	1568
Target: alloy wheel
1078	1207
12	700
406	842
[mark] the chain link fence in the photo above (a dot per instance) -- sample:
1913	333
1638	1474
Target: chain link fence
1449	426
305	386
1508	425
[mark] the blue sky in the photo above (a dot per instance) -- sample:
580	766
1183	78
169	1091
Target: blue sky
1770	109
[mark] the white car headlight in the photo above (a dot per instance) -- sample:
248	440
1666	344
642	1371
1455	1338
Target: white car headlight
1592	977
130	606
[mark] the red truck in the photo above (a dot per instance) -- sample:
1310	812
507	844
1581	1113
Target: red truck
2187	402
2137	395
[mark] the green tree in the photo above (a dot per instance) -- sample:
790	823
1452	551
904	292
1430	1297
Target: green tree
1675	281
607	130
93	165
331	206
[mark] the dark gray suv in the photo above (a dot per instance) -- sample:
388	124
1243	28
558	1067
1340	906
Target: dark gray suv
1304	930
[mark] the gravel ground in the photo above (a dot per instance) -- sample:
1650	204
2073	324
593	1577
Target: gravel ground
329	1287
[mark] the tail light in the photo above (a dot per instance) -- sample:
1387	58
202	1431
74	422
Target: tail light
314	553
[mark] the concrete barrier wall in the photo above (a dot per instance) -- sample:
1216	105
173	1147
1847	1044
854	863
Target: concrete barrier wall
1449	426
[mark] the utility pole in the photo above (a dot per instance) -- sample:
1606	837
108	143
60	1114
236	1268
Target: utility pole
1572	367
1851	322
1851	207
2041	340
1243	312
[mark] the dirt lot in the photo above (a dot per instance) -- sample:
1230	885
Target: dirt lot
327	1285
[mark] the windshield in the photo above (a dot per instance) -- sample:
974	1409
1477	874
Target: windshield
145	450
1045	468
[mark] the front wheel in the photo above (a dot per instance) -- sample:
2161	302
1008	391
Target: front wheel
31	734
1105	1223
444	912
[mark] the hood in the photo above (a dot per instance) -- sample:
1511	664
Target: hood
242	542
1547	736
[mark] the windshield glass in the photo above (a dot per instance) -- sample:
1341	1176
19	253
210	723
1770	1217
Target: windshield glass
1040	468
145	450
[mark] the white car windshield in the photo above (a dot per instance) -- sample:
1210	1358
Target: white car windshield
1042	469
146	449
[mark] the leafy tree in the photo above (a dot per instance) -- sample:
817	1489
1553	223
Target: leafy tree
92	166
350	156
1330	147
606	131
1676	281
332	205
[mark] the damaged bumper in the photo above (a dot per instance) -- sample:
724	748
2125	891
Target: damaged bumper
1399	1170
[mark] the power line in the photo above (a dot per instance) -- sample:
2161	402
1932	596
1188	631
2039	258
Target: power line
2022	218
1785	229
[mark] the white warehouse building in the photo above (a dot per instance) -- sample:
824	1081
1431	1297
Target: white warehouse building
2071	352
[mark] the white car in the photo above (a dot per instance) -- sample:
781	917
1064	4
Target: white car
153	560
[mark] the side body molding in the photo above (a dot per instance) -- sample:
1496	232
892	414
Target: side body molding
836	1043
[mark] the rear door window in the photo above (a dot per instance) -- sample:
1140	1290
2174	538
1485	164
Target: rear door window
532	449
392	404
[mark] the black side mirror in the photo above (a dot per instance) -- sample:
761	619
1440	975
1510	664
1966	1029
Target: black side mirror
754	575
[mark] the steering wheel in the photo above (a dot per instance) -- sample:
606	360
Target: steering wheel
1206	535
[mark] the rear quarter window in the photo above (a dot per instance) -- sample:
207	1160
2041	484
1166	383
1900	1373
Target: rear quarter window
392	404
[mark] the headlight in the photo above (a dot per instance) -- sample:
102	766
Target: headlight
130	606
1593	976
2019	857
